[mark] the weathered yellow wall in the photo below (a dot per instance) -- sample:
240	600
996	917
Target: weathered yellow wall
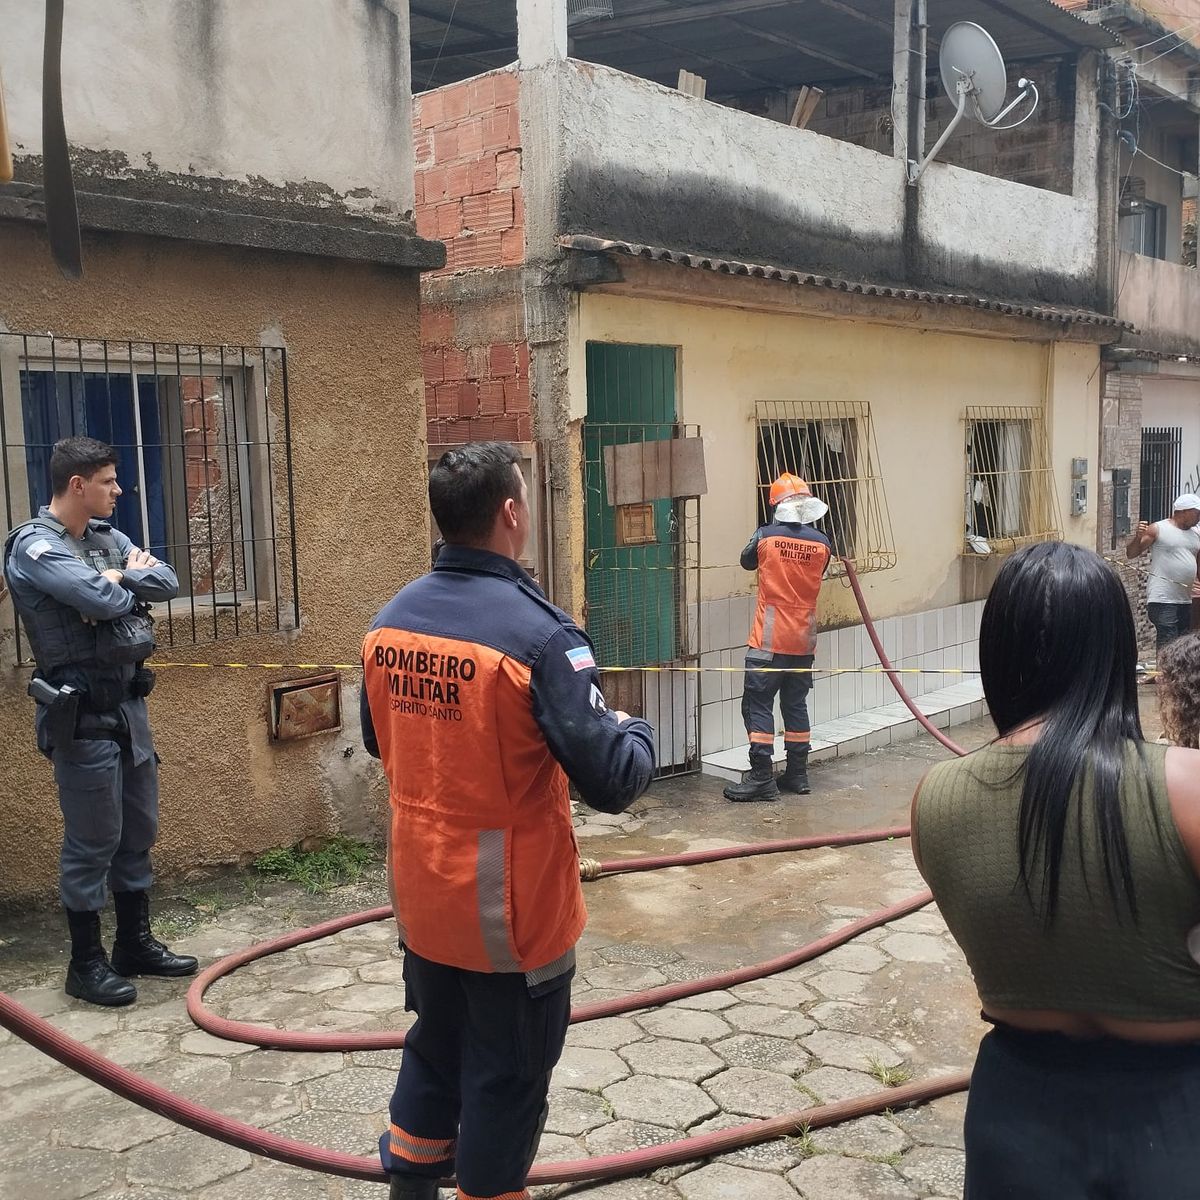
361	522
918	384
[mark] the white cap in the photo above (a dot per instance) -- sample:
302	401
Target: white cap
1187	500
802	510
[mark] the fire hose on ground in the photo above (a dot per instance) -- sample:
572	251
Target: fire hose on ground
144	1092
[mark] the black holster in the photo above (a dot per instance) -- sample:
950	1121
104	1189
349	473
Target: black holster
62	709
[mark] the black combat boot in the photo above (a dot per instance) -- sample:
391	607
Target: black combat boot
136	951
761	784
409	1187
90	977
795	778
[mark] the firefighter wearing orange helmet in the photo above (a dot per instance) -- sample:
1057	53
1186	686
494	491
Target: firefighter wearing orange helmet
790	557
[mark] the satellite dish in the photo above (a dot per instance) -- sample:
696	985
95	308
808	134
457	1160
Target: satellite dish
974	77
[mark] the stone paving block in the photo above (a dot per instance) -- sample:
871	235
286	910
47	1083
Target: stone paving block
188	1075
719	1181
868	1137
200	1042
606	1033
774	991
840	985
22	1062
858	959
939	1123
688	969
170	1017
252	1101
389	971
557	1147
284	1066
765	1053
831	1177
352	1133
845	1016
676	1060
44	1001
377	1058
755	1093
625	977
269	1007
623	1134
354	1089
853	1051
87	1022
632	1189
58	1174
918	947
341	956
928	920
683	1025
638	953
778	1154
311	980
215	941
269	1182
935	1169
707	1001
590	1070
573	1112
363	997
654	1100
112	1124
336	1018
766	1018
188	1160
133	1048
24	1136
830	1084
49	1095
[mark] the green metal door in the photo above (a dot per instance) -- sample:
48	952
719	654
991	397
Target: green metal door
632	590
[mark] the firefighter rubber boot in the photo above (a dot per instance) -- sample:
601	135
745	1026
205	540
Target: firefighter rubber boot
90	976
795	778
761	784
136	951
410	1187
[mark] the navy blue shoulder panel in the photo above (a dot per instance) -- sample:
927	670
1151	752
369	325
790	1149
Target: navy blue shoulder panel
488	609
803	532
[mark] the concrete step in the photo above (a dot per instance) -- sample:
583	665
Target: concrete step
865	730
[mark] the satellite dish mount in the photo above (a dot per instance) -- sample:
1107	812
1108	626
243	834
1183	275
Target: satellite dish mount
974	76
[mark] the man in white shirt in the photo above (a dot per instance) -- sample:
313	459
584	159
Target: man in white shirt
1174	545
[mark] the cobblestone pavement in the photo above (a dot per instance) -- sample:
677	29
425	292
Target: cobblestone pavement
894	1004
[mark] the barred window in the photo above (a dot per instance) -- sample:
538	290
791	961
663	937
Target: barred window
1010	498
831	445
203	442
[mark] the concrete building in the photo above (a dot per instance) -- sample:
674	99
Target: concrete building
1151	392
246	331
693	224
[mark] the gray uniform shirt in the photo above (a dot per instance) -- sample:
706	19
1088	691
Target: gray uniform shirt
42	564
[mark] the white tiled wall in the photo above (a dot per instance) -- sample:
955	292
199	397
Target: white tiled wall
937	640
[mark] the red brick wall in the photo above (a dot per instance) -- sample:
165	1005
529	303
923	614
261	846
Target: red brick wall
468	171
468	195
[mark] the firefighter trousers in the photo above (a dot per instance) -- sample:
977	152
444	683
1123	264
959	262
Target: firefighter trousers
470	1099
758	700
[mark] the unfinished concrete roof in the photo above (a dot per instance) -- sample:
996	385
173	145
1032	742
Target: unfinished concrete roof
1034	312
737	45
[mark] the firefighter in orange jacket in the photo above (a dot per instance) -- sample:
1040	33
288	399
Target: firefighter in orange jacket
482	699
790	557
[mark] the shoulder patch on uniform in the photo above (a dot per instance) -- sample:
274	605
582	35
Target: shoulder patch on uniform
38	548
596	696
581	658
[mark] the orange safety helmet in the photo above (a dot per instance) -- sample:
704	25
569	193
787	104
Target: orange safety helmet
787	486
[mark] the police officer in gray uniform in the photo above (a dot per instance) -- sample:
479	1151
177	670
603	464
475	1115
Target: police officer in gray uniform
82	590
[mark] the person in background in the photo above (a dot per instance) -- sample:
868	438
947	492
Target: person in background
1179	691
1174	546
482	700
81	588
790	557
1065	859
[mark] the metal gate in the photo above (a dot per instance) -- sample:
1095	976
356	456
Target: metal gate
1161	453
642	561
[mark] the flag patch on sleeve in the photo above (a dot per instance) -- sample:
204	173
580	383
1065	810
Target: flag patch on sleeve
580	658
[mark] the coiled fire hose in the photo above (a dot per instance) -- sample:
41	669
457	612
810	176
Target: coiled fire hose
142	1091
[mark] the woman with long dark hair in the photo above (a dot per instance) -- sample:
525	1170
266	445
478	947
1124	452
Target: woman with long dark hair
1065	858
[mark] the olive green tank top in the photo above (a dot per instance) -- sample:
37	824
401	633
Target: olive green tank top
1093	958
